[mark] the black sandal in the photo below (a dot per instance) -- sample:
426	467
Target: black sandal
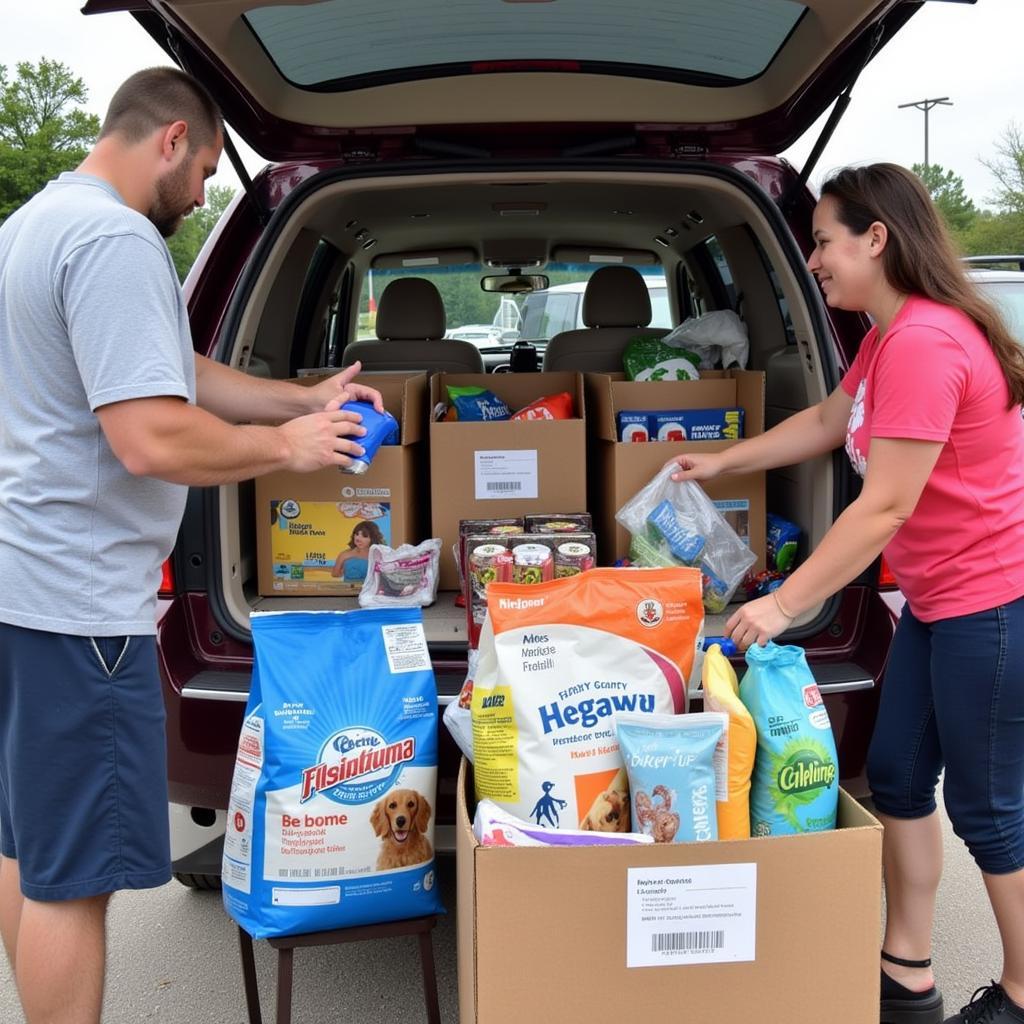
901	1005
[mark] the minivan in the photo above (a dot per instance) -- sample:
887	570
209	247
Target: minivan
429	139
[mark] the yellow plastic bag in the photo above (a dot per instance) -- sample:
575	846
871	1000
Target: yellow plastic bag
721	693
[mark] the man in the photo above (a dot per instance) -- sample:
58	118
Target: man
106	413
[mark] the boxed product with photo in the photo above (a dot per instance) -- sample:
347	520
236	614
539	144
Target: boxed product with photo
314	530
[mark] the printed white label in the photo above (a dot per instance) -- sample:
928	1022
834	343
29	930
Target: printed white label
506	474
406	647
324	897
236	866
701	914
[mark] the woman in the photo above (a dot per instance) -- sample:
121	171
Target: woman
930	416
353	562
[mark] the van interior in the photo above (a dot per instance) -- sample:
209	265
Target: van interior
712	236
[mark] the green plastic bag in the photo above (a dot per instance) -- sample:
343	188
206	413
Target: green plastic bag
795	786
647	357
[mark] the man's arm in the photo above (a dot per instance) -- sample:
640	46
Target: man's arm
167	438
240	398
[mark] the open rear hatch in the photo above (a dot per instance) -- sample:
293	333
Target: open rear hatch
297	79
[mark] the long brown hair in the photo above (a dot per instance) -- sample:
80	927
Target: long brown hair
919	257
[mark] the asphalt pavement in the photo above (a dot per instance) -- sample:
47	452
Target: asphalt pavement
173	959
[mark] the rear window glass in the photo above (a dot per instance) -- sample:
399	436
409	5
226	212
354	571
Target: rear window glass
333	43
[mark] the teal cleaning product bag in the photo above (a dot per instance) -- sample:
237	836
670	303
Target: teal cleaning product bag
795	786
331	814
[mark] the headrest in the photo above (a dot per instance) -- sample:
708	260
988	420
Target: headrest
410	309
616	297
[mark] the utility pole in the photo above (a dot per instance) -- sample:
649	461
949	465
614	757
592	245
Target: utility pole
927	105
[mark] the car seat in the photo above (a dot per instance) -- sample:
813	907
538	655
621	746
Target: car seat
410	334
616	307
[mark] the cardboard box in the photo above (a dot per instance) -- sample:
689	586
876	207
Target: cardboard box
306	521
507	468
543	932
618	469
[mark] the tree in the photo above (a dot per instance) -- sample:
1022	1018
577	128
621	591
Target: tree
186	242
43	131
993	234
1008	170
948	194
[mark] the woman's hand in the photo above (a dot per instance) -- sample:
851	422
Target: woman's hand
757	622
697	467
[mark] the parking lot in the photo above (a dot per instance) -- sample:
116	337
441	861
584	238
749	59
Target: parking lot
173	959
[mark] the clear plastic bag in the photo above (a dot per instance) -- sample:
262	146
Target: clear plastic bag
676	523
402	577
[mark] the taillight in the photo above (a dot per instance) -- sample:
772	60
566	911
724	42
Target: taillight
166	580
886	580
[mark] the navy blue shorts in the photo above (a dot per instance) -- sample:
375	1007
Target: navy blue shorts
83	763
953	701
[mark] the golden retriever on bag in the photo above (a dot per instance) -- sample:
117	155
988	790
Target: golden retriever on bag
400	820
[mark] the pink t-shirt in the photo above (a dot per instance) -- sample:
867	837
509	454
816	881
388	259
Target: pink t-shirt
934	377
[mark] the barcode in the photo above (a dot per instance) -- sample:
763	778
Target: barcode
699	942
504	485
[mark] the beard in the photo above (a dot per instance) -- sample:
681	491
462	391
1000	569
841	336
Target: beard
172	202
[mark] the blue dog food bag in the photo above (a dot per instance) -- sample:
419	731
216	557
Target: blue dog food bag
331	815
795	785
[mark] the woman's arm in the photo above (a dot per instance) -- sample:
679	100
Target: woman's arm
809	433
897	473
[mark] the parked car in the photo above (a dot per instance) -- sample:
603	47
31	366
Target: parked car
1006	288
502	132
501	331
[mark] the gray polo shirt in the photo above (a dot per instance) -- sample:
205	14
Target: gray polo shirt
90	313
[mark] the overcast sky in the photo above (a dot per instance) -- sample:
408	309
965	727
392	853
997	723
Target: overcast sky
970	53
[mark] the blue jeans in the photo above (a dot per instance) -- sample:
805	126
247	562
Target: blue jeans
954	699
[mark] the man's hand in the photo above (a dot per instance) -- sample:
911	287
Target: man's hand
323	439
336	390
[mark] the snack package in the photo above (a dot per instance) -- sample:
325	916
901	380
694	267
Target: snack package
494	826
330	817
668	520
468	527
557	661
551	407
476	404
648	357
673	762
721	694
403	577
575	522
634	426
783	538
520	558
795	786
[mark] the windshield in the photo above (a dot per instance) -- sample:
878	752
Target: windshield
560	307
486	319
333	43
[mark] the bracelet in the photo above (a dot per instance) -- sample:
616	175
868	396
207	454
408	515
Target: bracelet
775	594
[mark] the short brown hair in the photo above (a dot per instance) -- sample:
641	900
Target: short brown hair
155	97
920	257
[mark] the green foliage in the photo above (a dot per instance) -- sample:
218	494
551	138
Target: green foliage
186	242
993	234
948	194
1008	170
42	130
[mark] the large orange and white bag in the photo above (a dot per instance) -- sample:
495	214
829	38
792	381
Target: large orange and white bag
557	661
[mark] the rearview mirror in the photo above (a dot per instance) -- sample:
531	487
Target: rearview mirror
514	283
